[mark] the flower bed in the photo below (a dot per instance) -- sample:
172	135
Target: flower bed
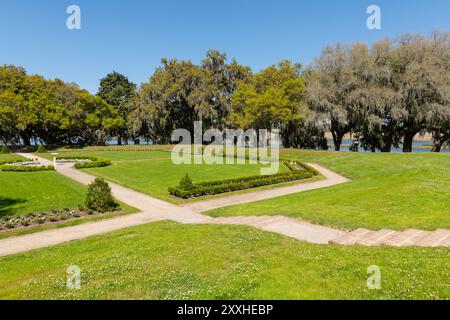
34	219
297	171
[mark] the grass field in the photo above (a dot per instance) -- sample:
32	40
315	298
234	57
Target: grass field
154	177
27	192
165	260
10	157
395	191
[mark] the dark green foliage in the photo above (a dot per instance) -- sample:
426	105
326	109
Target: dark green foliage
187	189
5	150
99	196
41	149
95	162
26	168
186	183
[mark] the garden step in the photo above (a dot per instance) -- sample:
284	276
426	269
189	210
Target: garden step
397	239
415	239
375	237
434	238
351	237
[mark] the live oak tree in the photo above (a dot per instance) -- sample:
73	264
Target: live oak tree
328	89
116	90
180	93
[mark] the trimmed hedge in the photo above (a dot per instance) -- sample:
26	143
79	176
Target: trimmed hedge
11	161
95	162
26	168
228	185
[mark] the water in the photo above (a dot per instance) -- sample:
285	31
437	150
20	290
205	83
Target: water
415	148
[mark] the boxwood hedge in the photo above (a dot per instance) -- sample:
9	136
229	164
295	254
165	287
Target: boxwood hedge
297	171
25	168
95	162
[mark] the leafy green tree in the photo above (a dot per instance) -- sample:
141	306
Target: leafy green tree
116	90
273	99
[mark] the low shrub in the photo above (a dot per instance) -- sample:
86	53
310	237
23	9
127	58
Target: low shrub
41	149
99	196
5	150
297	171
26	168
10	161
95	162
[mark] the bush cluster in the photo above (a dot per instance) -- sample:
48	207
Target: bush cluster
5	150
26	168
187	189
99	196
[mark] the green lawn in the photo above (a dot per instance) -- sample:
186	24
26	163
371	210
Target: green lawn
27	192
154	177
395	191
166	260
10	157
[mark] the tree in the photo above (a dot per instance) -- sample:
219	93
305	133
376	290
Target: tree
180	93
328	88
420	69
116	90
273	99
371	99
51	111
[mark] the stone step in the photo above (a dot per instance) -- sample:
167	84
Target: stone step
375	237
434	238
415	239
351	237
397	239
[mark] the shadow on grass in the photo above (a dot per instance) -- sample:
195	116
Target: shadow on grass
7	206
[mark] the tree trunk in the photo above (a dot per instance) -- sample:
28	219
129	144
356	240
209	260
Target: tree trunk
25	139
436	146
119	140
387	144
337	140
408	141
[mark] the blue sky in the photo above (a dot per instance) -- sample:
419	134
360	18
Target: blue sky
132	36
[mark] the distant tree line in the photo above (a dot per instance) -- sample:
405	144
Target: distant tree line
383	95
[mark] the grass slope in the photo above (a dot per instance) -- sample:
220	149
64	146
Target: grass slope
395	191
165	260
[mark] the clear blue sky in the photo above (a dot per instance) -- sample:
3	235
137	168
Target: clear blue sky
132	36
